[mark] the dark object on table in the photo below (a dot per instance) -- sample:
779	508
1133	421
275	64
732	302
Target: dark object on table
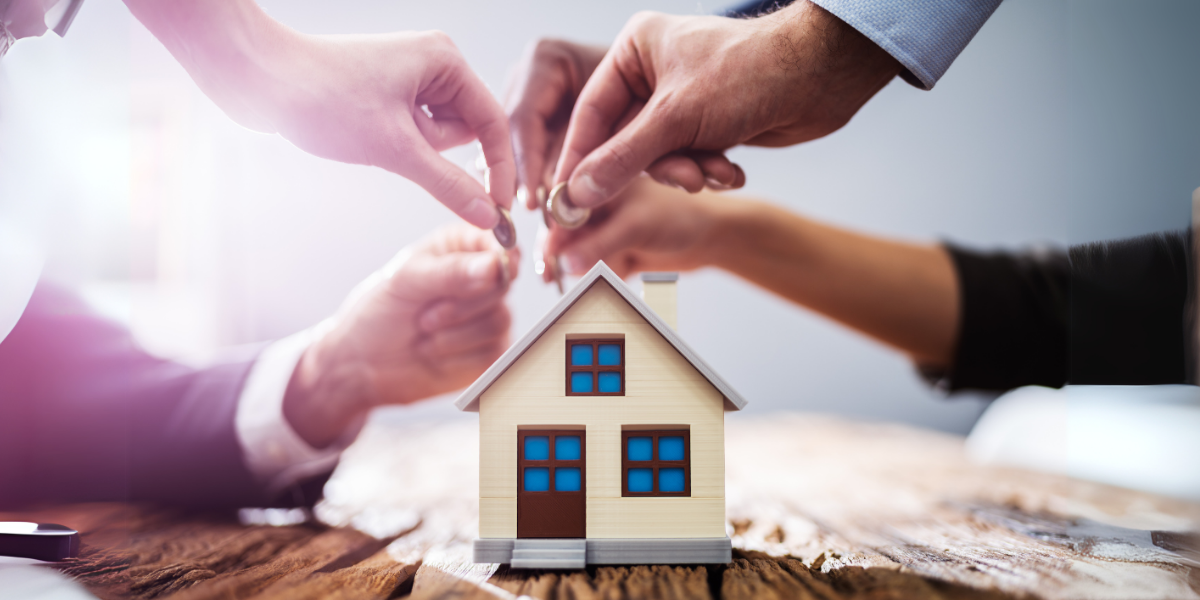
40	541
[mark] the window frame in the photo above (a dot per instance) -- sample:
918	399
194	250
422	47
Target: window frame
595	368
554	462
654	463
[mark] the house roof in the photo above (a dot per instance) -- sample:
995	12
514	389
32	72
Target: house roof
469	400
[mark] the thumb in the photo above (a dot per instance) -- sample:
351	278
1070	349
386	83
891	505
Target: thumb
608	169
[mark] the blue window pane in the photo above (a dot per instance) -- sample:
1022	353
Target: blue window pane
610	382
566	447
537	447
566	479
670	480
610	354
641	480
537	479
581	354
581	383
670	447
640	448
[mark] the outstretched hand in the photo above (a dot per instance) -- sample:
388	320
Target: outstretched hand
429	322
673	93
389	100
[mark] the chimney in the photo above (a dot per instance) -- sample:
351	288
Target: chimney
658	291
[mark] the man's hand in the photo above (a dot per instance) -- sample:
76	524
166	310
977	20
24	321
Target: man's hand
391	100
673	93
541	94
429	322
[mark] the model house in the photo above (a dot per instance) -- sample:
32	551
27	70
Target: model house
602	437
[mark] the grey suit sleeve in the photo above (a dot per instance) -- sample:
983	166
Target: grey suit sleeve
924	35
86	415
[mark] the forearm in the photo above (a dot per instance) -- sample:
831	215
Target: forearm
226	46
903	294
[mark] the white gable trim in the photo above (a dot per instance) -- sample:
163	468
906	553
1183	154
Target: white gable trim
469	400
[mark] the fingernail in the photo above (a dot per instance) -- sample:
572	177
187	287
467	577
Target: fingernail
523	196
593	193
572	263
481	213
541	195
713	184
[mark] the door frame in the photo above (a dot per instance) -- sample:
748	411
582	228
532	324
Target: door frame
552	514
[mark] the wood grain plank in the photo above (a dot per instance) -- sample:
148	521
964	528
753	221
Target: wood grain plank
818	507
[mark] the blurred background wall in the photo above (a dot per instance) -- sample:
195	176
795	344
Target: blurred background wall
1063	122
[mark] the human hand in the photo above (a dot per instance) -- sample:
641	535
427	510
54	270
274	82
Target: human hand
429	322
541	94
389	100
647	227
674	92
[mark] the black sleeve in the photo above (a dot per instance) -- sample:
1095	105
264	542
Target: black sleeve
1103	313
85	415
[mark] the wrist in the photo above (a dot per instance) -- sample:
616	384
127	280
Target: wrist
231	49
735	224
326	393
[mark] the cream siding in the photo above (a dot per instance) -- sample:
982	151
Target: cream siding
661	388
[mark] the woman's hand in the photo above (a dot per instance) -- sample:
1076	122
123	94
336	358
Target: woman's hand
390	100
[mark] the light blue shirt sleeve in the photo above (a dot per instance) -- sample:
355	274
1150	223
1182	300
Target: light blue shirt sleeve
924	35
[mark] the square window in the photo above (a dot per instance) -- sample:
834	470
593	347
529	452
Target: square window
581	383
640	448
656	463
537	479
670	479
566	447
537	447
566	479
595	367
641	480
581	355
670	447
610	355
610	383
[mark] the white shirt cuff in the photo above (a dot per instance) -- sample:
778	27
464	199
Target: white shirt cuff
273	451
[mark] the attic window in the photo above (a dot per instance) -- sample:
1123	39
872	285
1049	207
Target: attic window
596	367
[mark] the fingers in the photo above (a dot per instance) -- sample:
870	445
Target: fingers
678	170
484	115
448	183
457	275
602	103
607	169
450	312
481	332
529	143
693	170
601	242
471	363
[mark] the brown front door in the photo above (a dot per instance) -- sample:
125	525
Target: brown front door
551	484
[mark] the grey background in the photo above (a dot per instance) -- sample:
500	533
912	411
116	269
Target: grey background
1062	122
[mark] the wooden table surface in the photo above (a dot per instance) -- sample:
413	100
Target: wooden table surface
817	508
